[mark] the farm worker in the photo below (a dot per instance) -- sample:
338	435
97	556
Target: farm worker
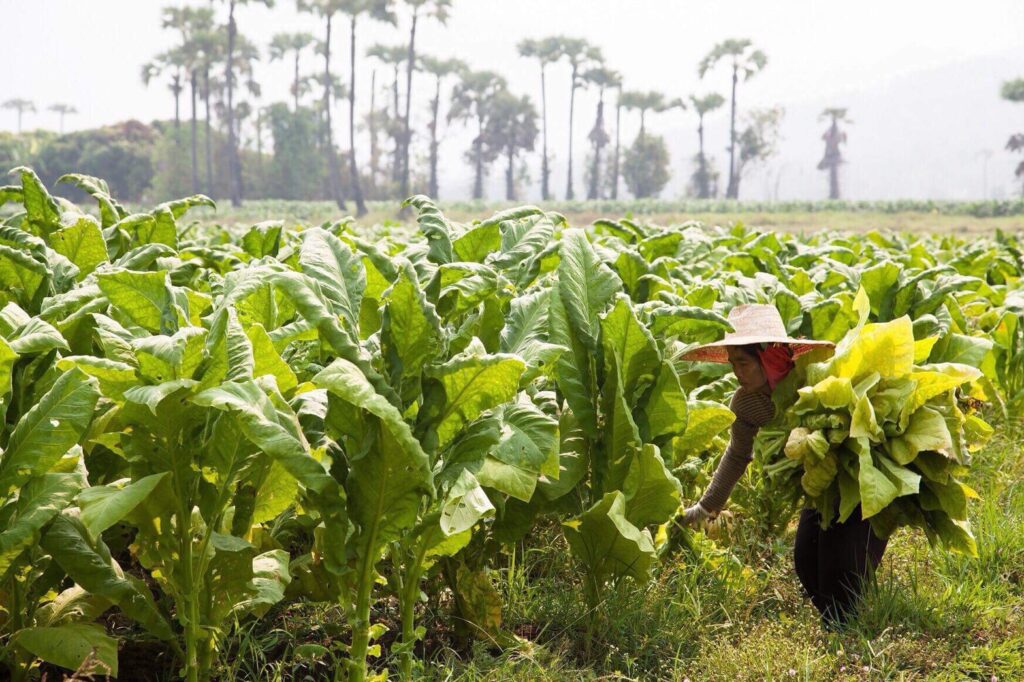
831	564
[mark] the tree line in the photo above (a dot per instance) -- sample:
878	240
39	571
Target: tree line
213	65
505	125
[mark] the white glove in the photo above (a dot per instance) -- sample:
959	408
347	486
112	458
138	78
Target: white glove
696	515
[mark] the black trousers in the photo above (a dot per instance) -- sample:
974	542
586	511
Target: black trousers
832	564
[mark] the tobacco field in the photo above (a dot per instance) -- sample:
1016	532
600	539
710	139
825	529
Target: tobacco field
459	450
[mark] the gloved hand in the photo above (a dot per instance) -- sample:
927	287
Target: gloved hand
696	516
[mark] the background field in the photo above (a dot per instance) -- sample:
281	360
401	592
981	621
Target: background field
802	218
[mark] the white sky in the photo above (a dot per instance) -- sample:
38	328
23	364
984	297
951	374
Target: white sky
89	53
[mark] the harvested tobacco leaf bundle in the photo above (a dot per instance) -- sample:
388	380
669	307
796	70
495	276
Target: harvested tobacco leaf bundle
873	429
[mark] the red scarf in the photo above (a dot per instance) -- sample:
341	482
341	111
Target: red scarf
776	360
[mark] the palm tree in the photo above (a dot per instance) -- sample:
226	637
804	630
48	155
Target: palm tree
62	110
644	102
326	9
618	140
234	162
580	53
510	130
546	51
1013	91
741	58
603	78
194	25
281	45
439	69
208	46
833	137
379	10
704	105
172	60
21	106
393	56
436	9
471	98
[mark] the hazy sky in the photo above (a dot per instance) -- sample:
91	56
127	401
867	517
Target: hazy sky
89	53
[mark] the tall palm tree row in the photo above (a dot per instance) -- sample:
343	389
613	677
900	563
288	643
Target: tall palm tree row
206	50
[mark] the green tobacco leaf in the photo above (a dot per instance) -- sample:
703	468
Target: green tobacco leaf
142	297
231	355
103	506
36	337
263	239
110	210
163	358
689	323
607	544
523	236
629	344
666	409
705	420
49	429
464	505
477	243
585	284
71	645
926	430
575	369
268	361
7	359
41	210
411	331
178	207
806	446
954	534
528	440
819	474
961	349
876	490
652	493
39	502
339	272
385	486
114	377
81	243
270	578
572	459
20	274
473	384
526	332
88	562
886	348
152	396
435	228
907	482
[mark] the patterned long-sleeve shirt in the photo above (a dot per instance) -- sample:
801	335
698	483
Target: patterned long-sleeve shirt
753	409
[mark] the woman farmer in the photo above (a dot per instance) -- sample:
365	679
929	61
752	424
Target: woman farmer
831	564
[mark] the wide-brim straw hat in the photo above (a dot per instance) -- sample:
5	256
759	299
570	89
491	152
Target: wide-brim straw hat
753	323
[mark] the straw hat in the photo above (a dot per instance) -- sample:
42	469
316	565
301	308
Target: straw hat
753	324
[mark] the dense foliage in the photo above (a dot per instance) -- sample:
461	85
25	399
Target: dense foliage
201	424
